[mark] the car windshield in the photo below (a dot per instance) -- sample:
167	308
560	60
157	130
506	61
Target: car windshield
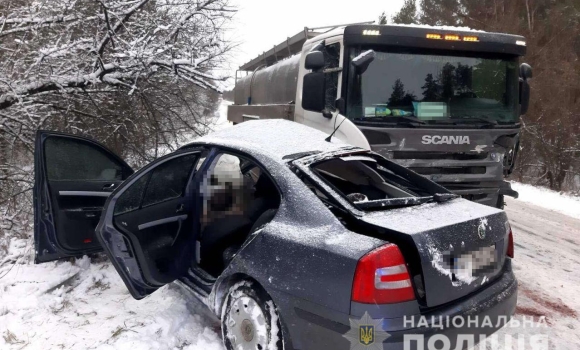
368	183
434	89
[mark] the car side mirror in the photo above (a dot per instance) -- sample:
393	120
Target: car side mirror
313	92
314	60
525	74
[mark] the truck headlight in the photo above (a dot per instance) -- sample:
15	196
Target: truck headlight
496	156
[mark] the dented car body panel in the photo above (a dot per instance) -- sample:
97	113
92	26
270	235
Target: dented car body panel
305	254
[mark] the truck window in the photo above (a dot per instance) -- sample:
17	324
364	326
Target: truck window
332	58
435	88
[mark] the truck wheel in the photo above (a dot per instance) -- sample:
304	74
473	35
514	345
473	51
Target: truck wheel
250	320
500	202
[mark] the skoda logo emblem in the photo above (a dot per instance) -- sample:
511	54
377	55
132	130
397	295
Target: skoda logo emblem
481	231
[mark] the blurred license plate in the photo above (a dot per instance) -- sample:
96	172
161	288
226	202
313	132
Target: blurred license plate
481	260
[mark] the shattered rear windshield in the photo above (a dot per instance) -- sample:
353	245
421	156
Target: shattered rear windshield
368	183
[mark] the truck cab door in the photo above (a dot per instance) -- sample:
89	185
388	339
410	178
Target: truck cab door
334	80
73	177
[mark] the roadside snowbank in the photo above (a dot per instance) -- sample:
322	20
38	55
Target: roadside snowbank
548	199
83	304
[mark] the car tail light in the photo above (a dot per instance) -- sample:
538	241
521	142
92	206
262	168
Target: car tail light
510	247
382	277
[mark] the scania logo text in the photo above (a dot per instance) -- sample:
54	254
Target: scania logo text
449	140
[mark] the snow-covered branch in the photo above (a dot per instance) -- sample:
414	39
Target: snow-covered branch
136	74
111	42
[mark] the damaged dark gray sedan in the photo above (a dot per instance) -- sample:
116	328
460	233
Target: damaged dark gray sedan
288	238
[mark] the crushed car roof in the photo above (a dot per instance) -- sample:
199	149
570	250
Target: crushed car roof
280	138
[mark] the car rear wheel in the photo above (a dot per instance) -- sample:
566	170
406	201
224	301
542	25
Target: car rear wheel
250	320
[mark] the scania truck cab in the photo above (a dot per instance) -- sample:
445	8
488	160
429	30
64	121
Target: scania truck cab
445	102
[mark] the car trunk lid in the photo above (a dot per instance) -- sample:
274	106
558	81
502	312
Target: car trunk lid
460	245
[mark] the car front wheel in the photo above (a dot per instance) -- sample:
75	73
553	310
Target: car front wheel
250	320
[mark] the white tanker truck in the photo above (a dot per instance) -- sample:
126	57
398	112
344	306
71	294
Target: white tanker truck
444	102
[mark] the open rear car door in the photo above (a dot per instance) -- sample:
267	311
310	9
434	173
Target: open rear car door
148	223
74	176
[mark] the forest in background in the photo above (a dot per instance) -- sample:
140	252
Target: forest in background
549	152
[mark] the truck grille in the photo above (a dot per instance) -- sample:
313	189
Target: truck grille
439	155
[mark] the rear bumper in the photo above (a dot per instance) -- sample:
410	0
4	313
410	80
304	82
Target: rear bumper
496	303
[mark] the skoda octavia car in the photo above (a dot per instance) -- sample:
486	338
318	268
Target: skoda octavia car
288	238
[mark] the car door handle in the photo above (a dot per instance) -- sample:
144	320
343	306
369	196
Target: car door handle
108	186
180	208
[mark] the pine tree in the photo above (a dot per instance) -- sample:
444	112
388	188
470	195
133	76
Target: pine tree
398	93
407	14
430	89
448	80
440	12
383	18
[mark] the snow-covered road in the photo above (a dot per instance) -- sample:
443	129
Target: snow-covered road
547	265
83	304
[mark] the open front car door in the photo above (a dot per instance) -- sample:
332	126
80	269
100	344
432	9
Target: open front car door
74	176
148	223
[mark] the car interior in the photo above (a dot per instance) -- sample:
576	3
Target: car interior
80	176
361	179
239	198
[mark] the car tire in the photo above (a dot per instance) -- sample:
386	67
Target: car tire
250	319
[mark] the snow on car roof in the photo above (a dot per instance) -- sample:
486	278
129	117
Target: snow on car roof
278	137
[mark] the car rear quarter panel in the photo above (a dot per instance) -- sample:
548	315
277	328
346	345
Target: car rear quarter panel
304	258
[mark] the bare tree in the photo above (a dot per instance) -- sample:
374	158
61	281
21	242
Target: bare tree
135	74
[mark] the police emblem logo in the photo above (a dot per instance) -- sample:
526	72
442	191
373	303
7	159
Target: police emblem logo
366	333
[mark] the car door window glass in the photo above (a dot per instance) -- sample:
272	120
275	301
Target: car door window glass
131	199
169	179
71	159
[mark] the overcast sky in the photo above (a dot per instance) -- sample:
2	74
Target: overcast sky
261	24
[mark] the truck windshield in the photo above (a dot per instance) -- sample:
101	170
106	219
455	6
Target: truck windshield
434	89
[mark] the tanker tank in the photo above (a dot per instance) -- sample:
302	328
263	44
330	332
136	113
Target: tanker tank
273	85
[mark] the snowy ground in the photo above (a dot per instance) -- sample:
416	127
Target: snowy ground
547	261
550	200
83	304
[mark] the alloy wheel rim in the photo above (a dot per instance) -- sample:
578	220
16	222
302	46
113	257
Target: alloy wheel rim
246	324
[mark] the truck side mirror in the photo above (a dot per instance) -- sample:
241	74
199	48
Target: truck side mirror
314	60
526	71
525	74
361	62
313	92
